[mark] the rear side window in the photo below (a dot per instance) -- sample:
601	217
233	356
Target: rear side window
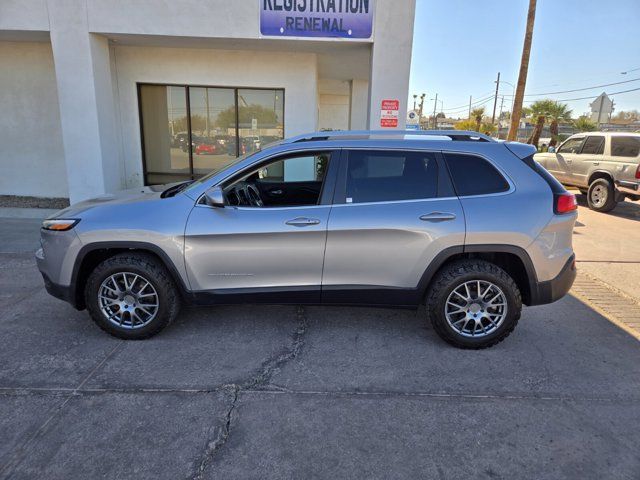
474	175
593	146
390	176
625	146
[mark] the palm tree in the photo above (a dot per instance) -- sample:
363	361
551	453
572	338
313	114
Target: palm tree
539	111
477	114
585	124
522	76
559	112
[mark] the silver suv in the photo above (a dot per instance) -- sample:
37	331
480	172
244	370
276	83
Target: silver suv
605	166
472	227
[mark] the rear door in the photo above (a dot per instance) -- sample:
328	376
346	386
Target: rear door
393	212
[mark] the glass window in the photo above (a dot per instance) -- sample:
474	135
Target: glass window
573	145
593	145
213	127
390	176
625	146
291	181
165	133
260	117
190	131
474	175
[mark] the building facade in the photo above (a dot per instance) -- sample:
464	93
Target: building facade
102	95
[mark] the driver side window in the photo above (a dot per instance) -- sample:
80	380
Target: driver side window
290	181
573	145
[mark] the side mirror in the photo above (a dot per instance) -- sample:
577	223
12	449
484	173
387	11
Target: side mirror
214	197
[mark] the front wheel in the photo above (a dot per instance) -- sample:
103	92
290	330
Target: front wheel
473	304
131	296
601	196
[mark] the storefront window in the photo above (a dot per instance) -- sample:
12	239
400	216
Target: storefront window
188	131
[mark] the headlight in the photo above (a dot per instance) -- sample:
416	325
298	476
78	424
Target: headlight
60	224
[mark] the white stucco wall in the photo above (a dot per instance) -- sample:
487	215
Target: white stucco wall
31	153
294	72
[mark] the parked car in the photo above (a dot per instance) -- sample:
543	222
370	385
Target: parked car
605	166
209	147
471	227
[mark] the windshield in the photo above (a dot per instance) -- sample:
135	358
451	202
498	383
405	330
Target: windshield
216	170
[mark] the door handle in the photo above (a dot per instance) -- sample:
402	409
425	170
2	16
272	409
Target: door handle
596	163
569	161
302	222
276	192
437	217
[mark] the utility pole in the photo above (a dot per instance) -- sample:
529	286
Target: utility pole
469	106
600	109
516	112
435	104
495	100
500	114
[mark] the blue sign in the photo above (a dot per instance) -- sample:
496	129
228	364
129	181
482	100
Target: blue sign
316	18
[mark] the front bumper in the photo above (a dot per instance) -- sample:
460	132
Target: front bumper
628	188
556	288
59	291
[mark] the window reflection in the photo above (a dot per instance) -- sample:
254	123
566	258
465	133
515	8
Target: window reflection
218	125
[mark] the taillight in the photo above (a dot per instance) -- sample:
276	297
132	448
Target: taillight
638	171
564	203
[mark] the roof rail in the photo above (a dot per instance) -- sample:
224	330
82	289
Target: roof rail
455	135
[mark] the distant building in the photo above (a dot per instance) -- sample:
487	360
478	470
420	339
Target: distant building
601	109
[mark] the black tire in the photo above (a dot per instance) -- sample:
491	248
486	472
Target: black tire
151	270
454	275
584	191
601	185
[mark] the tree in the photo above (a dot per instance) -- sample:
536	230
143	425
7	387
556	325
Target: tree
468	124
558	112
264	116
539	112
477	114
522	75
585	124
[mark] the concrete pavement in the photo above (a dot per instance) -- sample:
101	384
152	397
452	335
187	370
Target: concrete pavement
287	392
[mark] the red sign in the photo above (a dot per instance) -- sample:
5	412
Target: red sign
389	111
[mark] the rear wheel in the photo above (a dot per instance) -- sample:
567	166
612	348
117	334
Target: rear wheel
473	304
601	196
131	296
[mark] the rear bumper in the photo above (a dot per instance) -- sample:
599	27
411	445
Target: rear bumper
556	288
629	188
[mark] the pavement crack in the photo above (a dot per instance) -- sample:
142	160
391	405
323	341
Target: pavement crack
258	382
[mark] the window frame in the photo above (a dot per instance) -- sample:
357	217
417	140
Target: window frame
505	176
603	140
582	137
328	183
624	136
444	188
191	175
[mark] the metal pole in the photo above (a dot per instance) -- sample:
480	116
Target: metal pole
600	109
435	104
469	106
495	100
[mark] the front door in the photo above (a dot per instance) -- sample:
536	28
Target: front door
394	212
262	245
561	164
591	156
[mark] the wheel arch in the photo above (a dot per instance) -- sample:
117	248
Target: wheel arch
512	259
596	174
91	255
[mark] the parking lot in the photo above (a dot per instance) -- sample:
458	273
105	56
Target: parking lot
292	392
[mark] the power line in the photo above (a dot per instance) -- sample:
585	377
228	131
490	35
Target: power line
592	97
578	89
480	100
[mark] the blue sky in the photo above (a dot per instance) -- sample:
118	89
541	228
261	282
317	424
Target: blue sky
459	47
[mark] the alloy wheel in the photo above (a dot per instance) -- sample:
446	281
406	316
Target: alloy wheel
128	300
476	308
